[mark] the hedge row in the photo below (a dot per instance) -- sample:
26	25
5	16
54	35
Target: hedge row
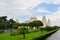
45	35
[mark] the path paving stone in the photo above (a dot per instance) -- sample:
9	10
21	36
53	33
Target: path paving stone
55	36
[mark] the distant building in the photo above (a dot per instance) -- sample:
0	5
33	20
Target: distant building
44	20
17	21
33	18
48	22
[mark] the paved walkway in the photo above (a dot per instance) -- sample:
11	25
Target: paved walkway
55	36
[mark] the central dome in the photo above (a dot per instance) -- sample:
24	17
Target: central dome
33	17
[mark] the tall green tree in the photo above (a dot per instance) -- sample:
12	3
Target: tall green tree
36	23
3	22
3	25
10	23
3	19
24	24
15	25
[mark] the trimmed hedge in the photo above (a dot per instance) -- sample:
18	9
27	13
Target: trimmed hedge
45	35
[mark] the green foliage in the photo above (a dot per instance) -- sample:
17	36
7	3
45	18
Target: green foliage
24	31
3	19
23	24
49	28
15	25
3	25
3	22
36	23
13	34
41	29
29	36
44	36
55	27
10	23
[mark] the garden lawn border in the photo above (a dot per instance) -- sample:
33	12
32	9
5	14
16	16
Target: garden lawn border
46	35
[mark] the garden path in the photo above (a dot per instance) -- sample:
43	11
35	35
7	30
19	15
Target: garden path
55	36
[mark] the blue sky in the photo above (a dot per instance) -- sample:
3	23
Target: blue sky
23	9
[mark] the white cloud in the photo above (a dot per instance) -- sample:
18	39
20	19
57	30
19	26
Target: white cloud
56	1
52	1
13	8
20	6
26	3
55	17
42	10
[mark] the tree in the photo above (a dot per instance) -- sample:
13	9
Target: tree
3	25
24	31
3	19
15	25
36	23
24	24
10	23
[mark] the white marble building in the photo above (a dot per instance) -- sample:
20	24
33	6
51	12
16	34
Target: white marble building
33	18
44	20
17	21
48	22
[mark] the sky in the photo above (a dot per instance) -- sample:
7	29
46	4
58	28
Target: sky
23	9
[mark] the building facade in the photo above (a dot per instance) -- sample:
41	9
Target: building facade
33	18
44	20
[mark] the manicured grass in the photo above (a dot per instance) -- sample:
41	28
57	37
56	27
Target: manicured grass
29	36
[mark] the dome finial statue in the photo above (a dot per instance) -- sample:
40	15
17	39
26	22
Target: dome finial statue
33	17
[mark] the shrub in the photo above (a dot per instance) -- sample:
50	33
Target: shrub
13	33
15	25
41	29
24	31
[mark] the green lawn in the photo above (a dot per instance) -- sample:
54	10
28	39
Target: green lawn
29	36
